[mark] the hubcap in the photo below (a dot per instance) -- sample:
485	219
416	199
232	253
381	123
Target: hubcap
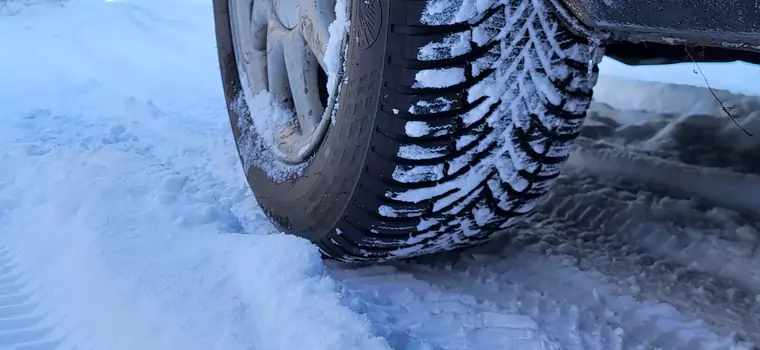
280	47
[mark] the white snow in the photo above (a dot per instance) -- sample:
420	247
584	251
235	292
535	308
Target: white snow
419	152
439	78
737	77
417	128
418	173
440	104
626	94
451	11
336	48
426	224
452	46
136	227
126	221
387	211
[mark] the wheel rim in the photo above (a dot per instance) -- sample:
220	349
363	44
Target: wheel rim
280	47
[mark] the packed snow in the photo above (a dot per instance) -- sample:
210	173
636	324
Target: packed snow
337	46
126	221
452	46
439	78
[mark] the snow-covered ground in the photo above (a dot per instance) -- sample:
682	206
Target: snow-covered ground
126	223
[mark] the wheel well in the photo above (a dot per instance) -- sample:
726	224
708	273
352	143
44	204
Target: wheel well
648	53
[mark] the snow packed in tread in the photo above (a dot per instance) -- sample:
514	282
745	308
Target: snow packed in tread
503	151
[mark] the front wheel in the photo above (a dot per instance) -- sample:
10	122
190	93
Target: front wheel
423	126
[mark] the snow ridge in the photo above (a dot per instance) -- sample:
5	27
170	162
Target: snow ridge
733	190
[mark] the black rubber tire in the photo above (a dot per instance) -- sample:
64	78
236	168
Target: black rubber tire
487	159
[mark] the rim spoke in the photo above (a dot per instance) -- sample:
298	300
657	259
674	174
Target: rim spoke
249	45
303	75
256	58
316	16
276	72
280	47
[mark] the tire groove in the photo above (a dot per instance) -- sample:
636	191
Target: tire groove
413	194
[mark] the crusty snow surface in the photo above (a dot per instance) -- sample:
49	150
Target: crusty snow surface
126	223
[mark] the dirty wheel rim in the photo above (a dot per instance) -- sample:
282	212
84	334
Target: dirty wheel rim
280	47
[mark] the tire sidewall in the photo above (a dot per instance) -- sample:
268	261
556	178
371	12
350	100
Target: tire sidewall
310	205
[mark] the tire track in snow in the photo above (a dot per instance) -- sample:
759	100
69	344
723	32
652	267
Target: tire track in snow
22	325
607	267
581	309
415	314
667	249
525	301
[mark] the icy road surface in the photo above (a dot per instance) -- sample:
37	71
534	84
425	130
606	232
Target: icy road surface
125	222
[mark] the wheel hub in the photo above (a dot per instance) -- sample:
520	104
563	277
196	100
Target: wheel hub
280	47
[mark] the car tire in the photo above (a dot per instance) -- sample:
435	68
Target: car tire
453	120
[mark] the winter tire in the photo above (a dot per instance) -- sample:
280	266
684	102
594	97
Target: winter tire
452	120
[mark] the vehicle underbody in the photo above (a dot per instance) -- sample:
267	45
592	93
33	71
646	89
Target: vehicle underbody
660	32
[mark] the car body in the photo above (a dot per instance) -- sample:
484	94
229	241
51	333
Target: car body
656	32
